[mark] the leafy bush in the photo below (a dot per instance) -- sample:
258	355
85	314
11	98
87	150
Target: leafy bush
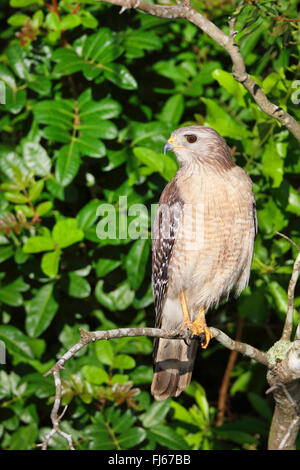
91	97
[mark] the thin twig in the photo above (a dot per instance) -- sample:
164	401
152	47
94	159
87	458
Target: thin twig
288	239
286	392
288	326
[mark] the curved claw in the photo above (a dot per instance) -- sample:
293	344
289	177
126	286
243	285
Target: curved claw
200	332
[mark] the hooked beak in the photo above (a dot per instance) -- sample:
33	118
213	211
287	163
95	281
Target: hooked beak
171	145
167	147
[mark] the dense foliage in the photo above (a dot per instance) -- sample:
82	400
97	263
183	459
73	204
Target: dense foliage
91	97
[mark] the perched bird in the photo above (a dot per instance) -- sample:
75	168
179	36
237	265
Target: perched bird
202	247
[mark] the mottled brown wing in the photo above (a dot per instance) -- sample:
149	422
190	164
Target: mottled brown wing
163	238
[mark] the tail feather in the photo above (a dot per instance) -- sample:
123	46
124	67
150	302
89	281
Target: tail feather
173	366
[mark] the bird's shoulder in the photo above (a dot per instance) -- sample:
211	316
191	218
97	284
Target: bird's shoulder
170	194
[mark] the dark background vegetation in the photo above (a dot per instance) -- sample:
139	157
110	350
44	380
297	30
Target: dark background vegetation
91	97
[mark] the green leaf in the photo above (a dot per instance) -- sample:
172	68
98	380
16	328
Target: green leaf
66	233
90	147
57	113
149	158
280	296
24	438
15	341
132	437
136	42
26	210
104	129
272	163
240	437
40	310
260	405
152	135
226	80
16	55
200	397
22	3
94	374
167	437
181	413
87	216
106	108
173	109
44	207
6	252
222	122
70	21
102	47
293	201
17	198
50	263
36	189
15	99
104	352
156	413
271	218
105	266
67	164
120	76
125	434
36	158
270	82
78	286
9	295
38	243
118	299
136	261
242	382
142	375
123	361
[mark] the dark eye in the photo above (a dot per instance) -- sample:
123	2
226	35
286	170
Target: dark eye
191	138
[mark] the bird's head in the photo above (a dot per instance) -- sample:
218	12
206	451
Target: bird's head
202	145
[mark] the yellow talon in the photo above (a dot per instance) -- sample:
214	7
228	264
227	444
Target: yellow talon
198	327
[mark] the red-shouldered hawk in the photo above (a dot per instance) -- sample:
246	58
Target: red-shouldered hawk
203	242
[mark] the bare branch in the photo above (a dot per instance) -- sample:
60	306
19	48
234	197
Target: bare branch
89	337
227	42
288	326
55	418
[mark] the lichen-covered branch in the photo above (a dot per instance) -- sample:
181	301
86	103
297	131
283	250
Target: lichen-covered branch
227	42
